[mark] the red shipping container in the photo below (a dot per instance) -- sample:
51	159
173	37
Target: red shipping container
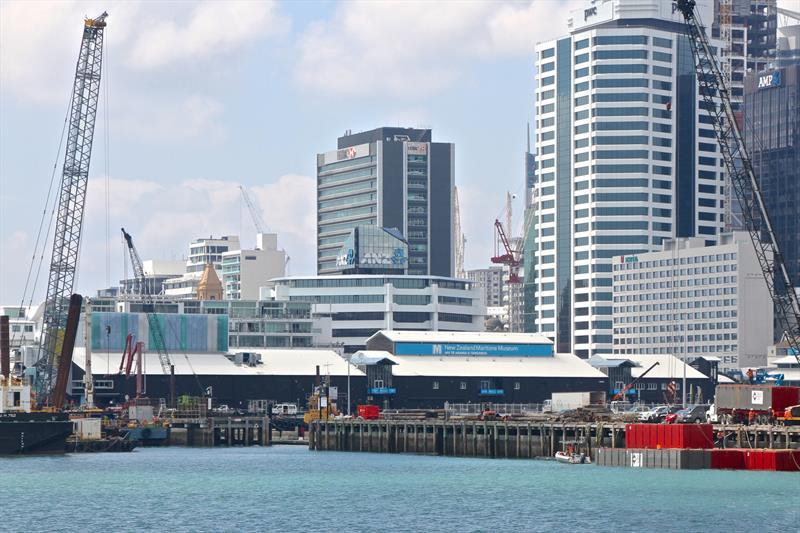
783	397
369	412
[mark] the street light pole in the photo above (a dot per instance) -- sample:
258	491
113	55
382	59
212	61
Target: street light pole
349	358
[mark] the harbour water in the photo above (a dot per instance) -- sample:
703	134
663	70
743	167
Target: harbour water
288	488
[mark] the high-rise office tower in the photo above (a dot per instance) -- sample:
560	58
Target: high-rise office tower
747	31
390	178
772	136
626	157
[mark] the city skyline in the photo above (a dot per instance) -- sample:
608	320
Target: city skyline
178	154
255	108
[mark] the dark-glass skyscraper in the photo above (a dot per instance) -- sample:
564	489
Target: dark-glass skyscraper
772	135
390	178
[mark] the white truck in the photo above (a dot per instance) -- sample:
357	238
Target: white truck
562	401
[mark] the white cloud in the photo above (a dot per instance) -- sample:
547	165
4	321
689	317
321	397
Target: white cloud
39	41
288	207
190	117
164	218
410	49
211	28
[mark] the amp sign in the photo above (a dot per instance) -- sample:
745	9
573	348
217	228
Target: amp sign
770	80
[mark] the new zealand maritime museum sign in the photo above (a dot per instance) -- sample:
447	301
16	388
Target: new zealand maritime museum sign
501	350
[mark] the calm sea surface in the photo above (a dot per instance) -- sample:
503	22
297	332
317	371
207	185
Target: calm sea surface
288	488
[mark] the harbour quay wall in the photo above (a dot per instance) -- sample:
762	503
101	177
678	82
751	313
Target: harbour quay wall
513	439
492	439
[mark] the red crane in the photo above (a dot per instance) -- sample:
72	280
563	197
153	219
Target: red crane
510	258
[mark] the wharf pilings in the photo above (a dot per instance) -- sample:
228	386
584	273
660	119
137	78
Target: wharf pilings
509	439
221	431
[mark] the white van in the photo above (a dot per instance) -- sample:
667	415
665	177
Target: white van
284	409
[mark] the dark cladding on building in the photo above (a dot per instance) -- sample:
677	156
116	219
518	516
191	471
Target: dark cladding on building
425	369
772	134
394	178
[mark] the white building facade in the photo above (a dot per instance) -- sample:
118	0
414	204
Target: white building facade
245	271
361	305
692	300
626	158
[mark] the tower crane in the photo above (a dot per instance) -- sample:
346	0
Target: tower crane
70	208
258	222
511	256
716	98
149	305
152	321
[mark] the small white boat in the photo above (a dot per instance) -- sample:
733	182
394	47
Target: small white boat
573	458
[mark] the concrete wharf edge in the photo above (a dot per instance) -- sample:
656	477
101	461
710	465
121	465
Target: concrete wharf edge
510	439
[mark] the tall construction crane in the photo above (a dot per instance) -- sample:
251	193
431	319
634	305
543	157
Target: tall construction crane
258	222
152	321
506	255
71	203
149	306
716	98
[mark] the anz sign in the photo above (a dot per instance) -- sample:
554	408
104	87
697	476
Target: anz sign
770	80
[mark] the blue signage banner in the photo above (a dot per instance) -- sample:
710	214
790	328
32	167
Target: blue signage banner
382	390
772	79
501	350
492	392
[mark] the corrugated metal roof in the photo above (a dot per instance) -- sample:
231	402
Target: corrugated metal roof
369	357
557	366
463	337
274	363
785	360
601	362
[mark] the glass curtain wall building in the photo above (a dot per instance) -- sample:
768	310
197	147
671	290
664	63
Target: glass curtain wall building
388	178
626	158
772	135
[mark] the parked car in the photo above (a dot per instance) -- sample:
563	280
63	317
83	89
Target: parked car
692	414
658	413
638	409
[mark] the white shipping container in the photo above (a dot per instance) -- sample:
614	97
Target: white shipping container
89	428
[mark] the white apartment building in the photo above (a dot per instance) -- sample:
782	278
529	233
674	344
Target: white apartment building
210	250
244	271
626	158
361	305
490	280
693	300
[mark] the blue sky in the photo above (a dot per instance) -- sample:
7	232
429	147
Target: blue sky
205	96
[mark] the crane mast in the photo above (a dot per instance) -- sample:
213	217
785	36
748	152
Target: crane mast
71	203
152	319
743	178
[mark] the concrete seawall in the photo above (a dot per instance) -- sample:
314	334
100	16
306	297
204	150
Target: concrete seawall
508	439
